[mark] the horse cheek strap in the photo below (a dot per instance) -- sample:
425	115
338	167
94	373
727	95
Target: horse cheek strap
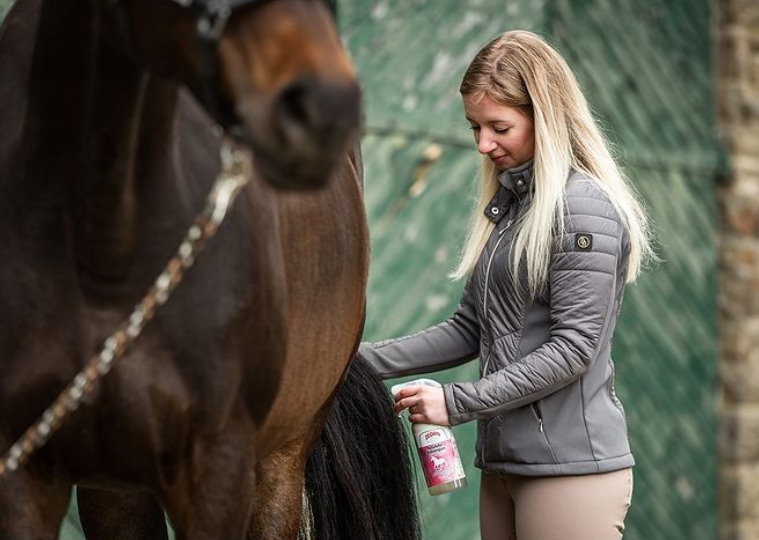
210	27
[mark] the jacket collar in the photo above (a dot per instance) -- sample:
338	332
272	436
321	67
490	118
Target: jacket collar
515	182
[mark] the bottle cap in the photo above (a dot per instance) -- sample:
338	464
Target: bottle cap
416	382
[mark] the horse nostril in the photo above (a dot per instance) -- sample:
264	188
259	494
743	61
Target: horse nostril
309	108
295	105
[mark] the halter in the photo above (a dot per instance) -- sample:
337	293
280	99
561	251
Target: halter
211	17
218	6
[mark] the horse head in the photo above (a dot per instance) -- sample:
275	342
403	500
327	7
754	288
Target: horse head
272	73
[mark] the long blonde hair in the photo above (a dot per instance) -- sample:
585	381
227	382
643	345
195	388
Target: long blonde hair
519	69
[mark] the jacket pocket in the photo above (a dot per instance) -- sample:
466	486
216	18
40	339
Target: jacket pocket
516	437
535	405
613	393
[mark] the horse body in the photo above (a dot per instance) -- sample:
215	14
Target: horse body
219	401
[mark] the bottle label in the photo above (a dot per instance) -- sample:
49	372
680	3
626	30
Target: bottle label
439	457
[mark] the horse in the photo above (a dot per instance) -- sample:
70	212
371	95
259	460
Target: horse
114	113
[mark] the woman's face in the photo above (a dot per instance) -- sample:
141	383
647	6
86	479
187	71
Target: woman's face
505	134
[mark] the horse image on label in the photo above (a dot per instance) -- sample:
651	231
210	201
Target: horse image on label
439	463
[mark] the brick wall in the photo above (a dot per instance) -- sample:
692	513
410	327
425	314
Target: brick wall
737	68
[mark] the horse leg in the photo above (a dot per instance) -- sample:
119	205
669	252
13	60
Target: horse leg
215	497
123	515
279	493
32	506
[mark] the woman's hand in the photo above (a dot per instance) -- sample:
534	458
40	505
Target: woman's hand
426	405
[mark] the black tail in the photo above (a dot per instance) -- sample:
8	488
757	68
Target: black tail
359	478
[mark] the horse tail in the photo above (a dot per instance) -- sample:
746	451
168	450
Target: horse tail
360	482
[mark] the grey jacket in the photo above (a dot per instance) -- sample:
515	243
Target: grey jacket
545	402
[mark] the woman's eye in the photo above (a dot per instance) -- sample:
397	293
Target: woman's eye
500	130
474	128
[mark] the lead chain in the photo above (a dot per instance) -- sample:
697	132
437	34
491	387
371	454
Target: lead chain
236	170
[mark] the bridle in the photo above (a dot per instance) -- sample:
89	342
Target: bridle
211	17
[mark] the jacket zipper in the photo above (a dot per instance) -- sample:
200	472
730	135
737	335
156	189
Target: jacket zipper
501	236
539	416
487	278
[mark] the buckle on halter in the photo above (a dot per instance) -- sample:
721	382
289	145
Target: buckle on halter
211	24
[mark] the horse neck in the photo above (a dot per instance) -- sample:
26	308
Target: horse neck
88	141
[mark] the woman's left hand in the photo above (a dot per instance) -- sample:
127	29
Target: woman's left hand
426	405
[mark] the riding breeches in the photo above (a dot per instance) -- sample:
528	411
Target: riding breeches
584	507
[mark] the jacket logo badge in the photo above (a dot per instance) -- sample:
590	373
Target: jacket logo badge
584	242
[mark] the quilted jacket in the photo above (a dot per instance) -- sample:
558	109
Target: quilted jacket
545	401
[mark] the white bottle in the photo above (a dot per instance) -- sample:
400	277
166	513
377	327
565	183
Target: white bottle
437	450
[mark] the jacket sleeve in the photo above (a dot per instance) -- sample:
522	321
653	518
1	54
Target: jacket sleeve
442	346
582	284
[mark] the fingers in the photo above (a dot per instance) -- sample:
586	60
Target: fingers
405	403
406	397
426	405
407	391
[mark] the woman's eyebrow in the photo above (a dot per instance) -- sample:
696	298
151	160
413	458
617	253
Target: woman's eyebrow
491	121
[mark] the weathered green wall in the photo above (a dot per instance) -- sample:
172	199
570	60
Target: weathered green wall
644	65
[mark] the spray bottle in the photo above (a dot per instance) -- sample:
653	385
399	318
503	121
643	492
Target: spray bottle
437	450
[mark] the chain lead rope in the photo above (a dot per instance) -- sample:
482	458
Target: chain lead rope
236	170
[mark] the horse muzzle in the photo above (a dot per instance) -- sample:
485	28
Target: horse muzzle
303	133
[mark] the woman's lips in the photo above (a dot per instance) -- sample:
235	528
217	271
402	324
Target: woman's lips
500	160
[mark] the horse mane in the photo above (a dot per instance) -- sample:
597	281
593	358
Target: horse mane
360	481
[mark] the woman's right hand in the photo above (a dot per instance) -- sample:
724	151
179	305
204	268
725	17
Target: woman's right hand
426	405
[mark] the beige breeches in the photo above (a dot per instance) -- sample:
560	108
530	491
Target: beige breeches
587	507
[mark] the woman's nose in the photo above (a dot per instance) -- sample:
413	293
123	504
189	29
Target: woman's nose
485	144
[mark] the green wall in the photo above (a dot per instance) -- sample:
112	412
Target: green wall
644	65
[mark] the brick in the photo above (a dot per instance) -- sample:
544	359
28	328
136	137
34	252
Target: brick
739	433
742	215
739	342
739	492
745	170
739	255
740	379
735	304
745	174
743	12
739	370
743	136
747	339
740	530
726	38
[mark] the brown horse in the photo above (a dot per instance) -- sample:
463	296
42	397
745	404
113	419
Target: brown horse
104	159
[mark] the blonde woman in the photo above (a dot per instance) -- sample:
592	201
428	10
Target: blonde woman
556	235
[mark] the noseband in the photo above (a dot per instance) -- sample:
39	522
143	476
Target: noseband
211	17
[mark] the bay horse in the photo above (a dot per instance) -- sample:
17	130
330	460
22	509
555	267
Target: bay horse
108	145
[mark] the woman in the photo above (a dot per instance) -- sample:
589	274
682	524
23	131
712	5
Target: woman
555	236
